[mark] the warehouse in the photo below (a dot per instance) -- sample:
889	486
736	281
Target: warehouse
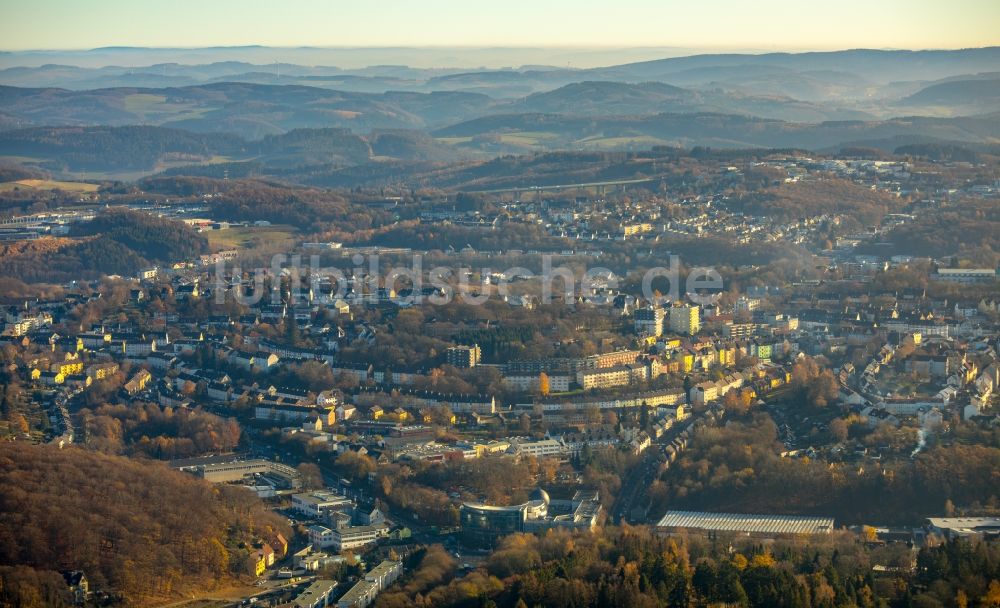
741	524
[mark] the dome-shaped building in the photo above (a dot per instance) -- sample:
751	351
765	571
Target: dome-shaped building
539	494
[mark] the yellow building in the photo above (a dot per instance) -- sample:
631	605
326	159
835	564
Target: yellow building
687	361
638	228
257	563
67	368
727	355
328	415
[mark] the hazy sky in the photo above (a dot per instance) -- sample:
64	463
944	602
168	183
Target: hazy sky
703	24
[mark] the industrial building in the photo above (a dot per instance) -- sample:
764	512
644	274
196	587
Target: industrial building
742	524
965	527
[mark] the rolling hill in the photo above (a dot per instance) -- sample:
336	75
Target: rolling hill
553	131
113	150
250	110
972	95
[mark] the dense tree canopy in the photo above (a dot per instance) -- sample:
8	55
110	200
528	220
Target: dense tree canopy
135	527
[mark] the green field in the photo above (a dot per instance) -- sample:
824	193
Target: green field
156	108
526	138
644	141
243	238
140	103
47	184
453	141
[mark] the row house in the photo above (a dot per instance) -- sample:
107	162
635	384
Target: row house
706	392
255	362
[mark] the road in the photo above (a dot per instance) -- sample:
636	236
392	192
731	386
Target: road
633	491
618	182
634	485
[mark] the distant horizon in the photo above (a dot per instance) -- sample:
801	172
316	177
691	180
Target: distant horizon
708	50
766	25
487	57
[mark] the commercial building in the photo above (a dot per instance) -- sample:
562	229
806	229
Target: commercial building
482	525
320	503
227	469
226	472
759	526
341	539
540	447
358	536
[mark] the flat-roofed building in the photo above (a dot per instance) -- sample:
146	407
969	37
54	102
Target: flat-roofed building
965	527
966	275
319	503
225	472
340	539
743	524
539	447
358	536
230	468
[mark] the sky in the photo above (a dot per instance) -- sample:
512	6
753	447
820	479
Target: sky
764	25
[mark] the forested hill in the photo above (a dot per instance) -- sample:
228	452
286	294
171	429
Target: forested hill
114	148
117	241
155	238
135	527
146	148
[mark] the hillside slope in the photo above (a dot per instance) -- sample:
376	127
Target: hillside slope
136	528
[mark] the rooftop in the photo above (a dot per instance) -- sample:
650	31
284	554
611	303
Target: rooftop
965	524
315	593
747	523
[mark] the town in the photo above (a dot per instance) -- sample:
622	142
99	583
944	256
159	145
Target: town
377	414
